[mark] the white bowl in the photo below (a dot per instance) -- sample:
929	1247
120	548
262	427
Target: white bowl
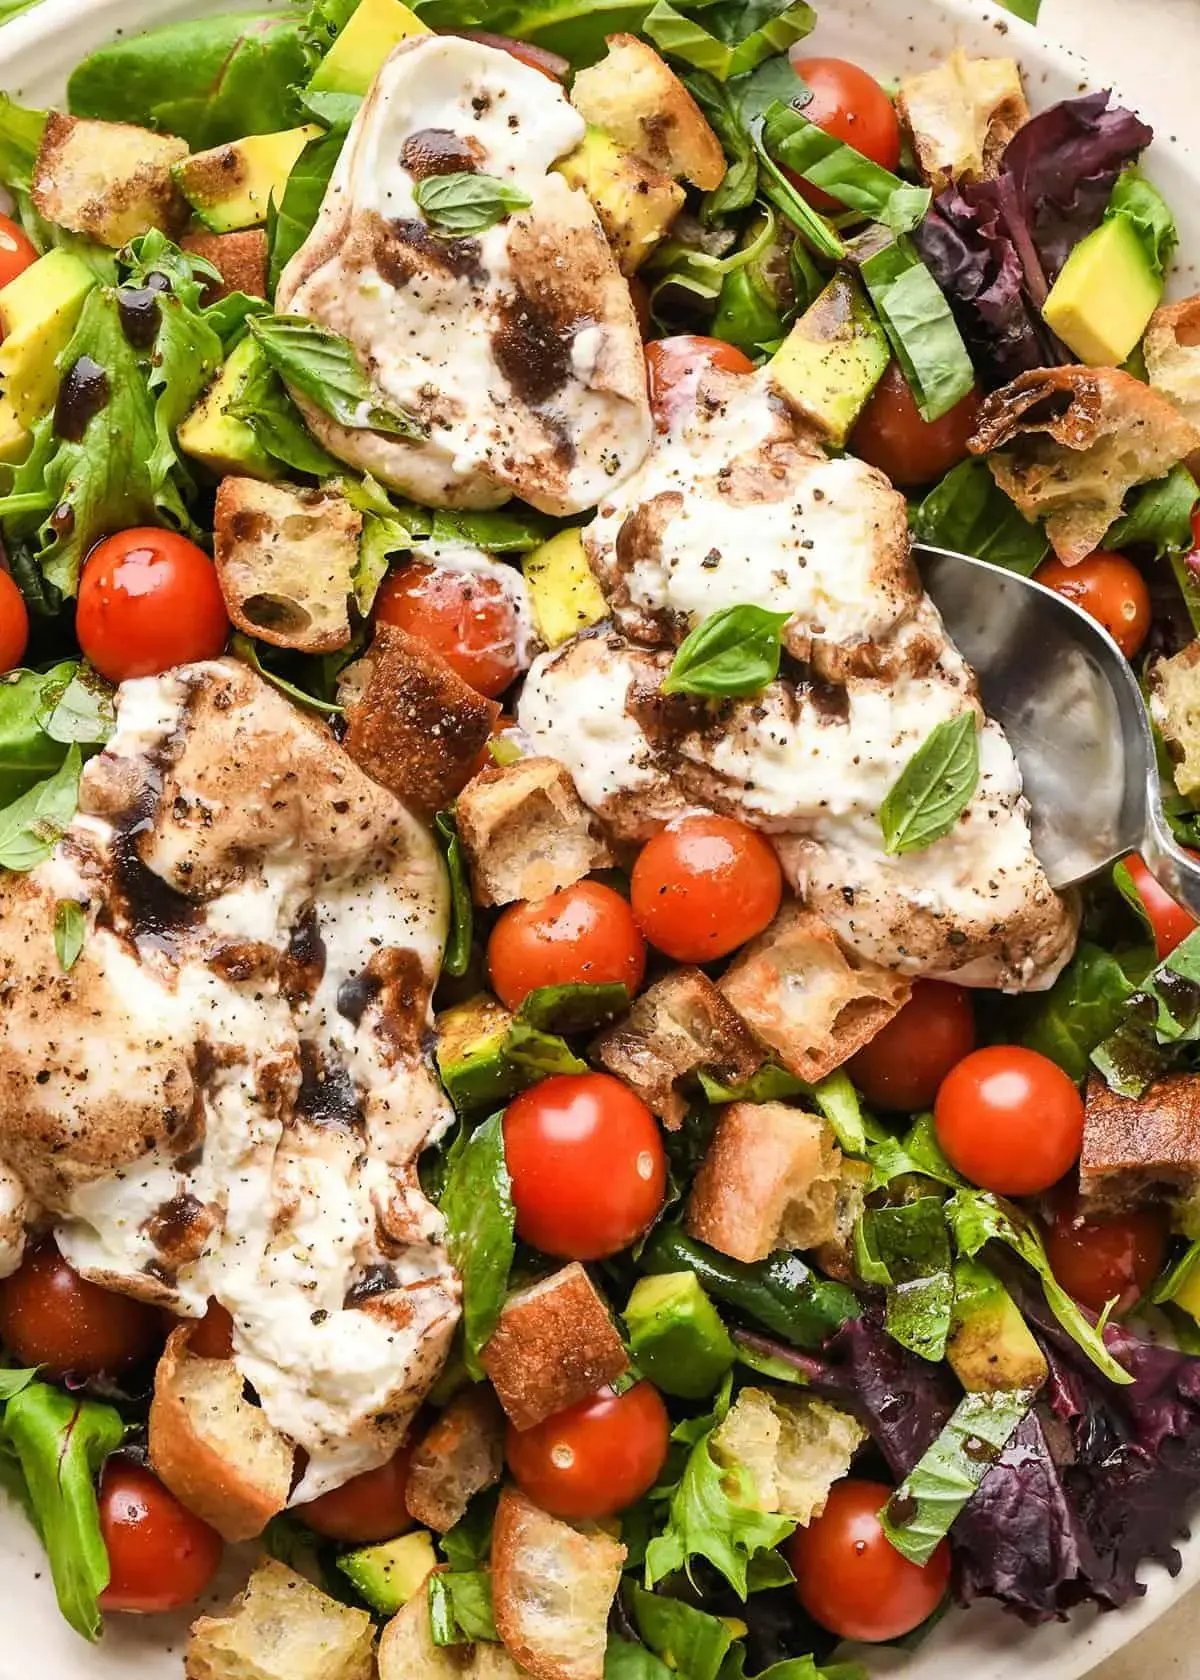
37	53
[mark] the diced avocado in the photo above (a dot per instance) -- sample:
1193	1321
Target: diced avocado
389	1575
635	203
1102	302
14	439
676	1335
833	358
990	1345
230	187
470	1053
563	593
39	311
373	30
214	436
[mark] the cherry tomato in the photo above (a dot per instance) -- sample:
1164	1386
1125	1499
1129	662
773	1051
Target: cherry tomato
595	1458
674	367
587	1165
52	1317
903	1065
14	624
849	1576
1010	1120
583	933
160	1554
891	435
1170	922
703	886
537	58
467	616
851	106
16	251
1100	1260
211	1337
367	1508
1110	589
149	599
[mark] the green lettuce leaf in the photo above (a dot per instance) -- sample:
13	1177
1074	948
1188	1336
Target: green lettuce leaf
478	1207
917	1153
1143	208
688	1640
32	825
623	1660
457	954
1084	1005
1159	1023
907	1248
739	188
970	514
1159	516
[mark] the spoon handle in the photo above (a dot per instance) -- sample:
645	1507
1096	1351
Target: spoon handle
1176	870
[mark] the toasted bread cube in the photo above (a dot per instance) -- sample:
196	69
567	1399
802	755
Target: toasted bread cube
527	832
285	562
1175	708
677	1026
640	103
1134	1146
555	1344
460	1454
110	181
792	1447
552	1590
281	1628
240	258
805	998
961	116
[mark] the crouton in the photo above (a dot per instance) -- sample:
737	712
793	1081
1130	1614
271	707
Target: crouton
773	1178
1133	1146
961	115
1068	443
281	1627
1175	708
679	1025
555	1344
793	1449
407	1651
458	1456
110	181
552	1589
640	102
412	722
239	258
1172	350
807	999
527	832
213	1449
285	562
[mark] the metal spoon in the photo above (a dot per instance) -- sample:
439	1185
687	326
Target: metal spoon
1070	705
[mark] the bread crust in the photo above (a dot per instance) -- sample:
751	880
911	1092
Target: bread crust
460	1454
552	1588
555	1344
637	98
961	116
1134	1146
240	257
526	831
281	1627
110	181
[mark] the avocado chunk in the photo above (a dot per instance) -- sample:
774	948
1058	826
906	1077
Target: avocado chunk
1102	302
676	1335
636	204
389	1575
470	1054
39	311
373	30
214	436
832	359
14	439
563	593
230	187
990	1346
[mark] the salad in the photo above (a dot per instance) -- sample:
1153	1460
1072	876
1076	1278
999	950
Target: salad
545	1086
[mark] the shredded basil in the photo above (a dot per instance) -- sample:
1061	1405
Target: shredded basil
920	328
457	954
732	37
844	173
478	1207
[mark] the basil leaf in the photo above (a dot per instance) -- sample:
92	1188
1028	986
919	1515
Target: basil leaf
576	1008
734	652
32	825
84	711
468	1545
464	203
1085	1004
920	328
28	752
20	137
12	1382
539	1053
734	37
771	1083
1159	1021
1159	515
326	369
907	1248
291	222
970	514
264	405
244	647
812	228
624	1660
69	928
500	532
1027	9
331	110
689	1640
845	174
460	1607
457	954
740	186
934	788
478	1208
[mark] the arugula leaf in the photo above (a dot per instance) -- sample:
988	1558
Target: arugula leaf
740	185
70	927
478	1208
32	825
918	1152
457	954
844	173
970	514
460	1607
28	751
466	203
292	220
1143	208
1159	515
1158	1022
907	1248
920	328
934	788
1084	1005
325	367
264	405
734	652
688	1640
734	37
576	1008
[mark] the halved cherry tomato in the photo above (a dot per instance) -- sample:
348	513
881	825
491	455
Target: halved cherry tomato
211	1337
703	886
585	933
597	1457
149	599
587	1165
903	1065
674	367
849	104
17	252
1100	1260
1170	922
367	1508
849	1576
52	1317
467	616
14	624
891	435
537	58
1110	589
1010	1120
160	1554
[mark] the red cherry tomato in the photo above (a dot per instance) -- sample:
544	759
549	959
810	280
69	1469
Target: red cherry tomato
212	1336
903	1065
1100	1260
1109	588
849	1576
674	367
537	58
1010	1120
16	251
587	1165
52	1317
367	1508
597	1457
583	933
467	616
891	435
160	1554
703	886
149	599
1170	922
851	106
14	624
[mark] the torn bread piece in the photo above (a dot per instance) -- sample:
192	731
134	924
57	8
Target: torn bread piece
285	560
552	1589
792	1448
1175	708
281	1627
527	833
961	115
1135	1146
555	1344
1172	351
634	96
460	1454
239	258
110	181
